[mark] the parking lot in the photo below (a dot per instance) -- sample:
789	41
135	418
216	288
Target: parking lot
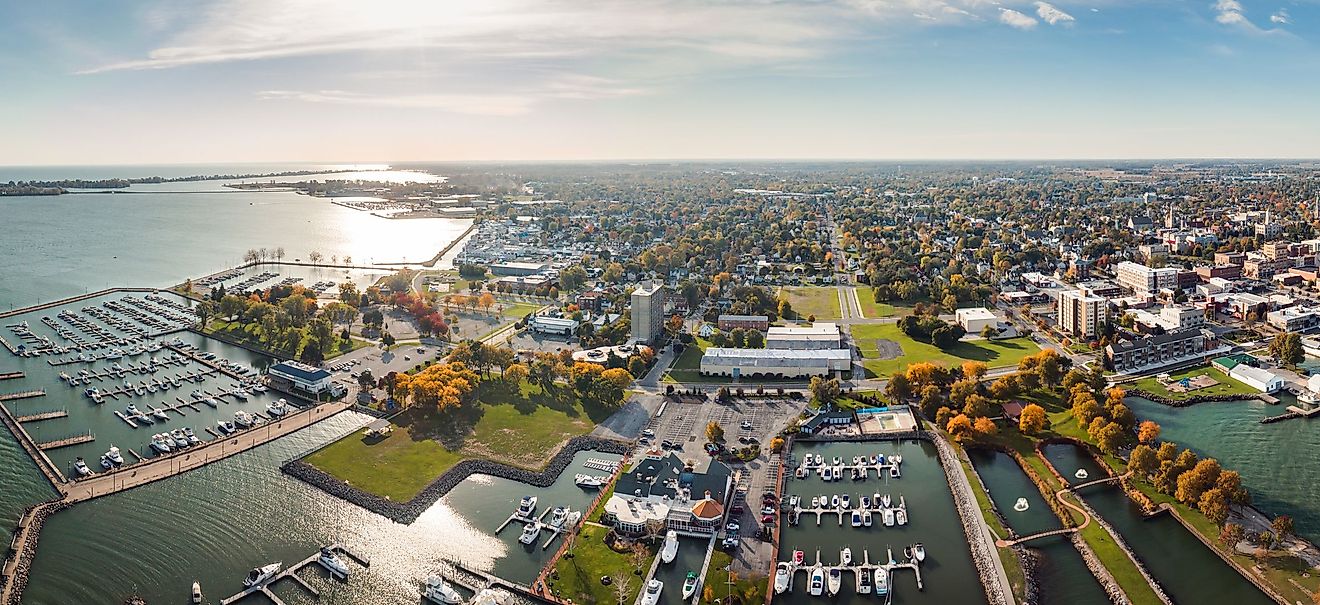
682	428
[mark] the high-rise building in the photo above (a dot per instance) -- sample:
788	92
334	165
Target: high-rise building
1080	314
648	312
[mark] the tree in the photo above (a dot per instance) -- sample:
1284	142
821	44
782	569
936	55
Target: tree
985	427
444	386
961	390
1148	432
977	406
205	310
1085	409
973	370
516	373
785	309
486	301
898	389
825	390
387	339
714	432
1231	534
1192	484
1142	461
1282	526
1214	505
755	339
1110	437
619	377
1287	348
1033	419
931	400
947	336
621	582
1004	388
960	428
777	444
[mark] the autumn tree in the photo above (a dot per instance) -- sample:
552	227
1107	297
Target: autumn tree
1231	534
516	373
443	385
1282	526
714	432
825	390
1148	432
1213	503
1193	483
617	376
1033	419
985	427
960	428
898	389
1142	461
973	370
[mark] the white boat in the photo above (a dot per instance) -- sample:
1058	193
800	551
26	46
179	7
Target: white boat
277	408
866	501
192	437
783	572
589	481
114	456
159	413
180	439
527	506
81	467
838	473
159	444
196	593
196	394
919	552
132	410
258	388
887	515
817	585
690	584
490	596
1081	473
844	502
884	500
866	518
438	591
837	461
896	459
900	516
815	502
530	532
834	581
794	501
845	556
332	563
834	501
558	516
893	472
242	419
881	581
261	575
857	518
106	463
818	460
225	427
651	595
670	548
826	473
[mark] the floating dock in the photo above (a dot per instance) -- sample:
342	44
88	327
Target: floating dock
43	416
291	573
67	441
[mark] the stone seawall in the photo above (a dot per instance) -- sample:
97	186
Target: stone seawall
1190	401
407	512
970	515
1098	569
30	524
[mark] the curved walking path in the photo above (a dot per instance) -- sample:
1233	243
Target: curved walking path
1086	517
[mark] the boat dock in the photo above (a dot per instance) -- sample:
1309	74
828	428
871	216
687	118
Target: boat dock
608	466
291	573
857	570
11	375
876	507
37	416
23	395
67	441
555	532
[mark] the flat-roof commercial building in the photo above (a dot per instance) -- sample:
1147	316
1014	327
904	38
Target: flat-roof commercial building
772	363
518	268
561	326
746	322
1262	380
662	489
1081	315
1156	351
976	319
817	336
1145	280
1295	319
300	376
648	312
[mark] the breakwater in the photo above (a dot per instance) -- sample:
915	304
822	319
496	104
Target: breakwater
407	512
983	554
24	547
1190	401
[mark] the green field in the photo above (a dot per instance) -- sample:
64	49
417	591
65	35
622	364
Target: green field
578	577
995	353
687	368
1226	386
870	308
521	429
518	310
823	302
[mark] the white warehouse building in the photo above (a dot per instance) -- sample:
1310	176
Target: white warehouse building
768	363
975	319
818	336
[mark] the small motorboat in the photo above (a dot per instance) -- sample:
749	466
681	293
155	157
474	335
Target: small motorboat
1021	505
196	593
817	585
893	472
866	502
887	515
798	556
558	516
834	501
815	502
527	506
857	518
81	468
690	584
1081	473
114	456
651	595
132	410
866	518
106	463
900	516
844	502
670	548
241	395
884	500
530	532
881	581
438	591
225	427
845	556
818	460
242	419
864	580
260	575
589	481
159	413
192	437
783	572
834	581
332	563
919	552
794	501
837	461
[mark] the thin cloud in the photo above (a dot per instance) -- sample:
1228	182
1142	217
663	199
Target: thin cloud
1229	12
1013	18
1281	18
1052	14
487	105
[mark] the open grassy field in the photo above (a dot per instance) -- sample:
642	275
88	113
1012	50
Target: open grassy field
578	577
870	308
995	353
823	302
521	429
1226	386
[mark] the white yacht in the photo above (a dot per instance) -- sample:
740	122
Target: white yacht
819	460
690	584
919	552
884	500
857	518
192	437
106	463
332	563
114	456
261	575
844	502
277	408
834	501
900	516
834	581
132	410
159	413
881	581
530	532
241	395
180	439
651	595
783	573
160	444
81	468
438	591
817	585
490	596
589	481
558	516
845	556
527	506
887	515
242	419
670	549
225	427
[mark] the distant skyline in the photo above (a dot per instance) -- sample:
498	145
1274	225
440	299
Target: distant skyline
223	81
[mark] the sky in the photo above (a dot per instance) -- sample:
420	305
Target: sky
181	81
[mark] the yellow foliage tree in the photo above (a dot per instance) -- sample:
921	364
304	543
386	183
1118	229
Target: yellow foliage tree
1033	419
443	385
619	376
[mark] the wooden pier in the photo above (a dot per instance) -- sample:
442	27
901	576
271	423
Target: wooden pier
42	416
23	395
857	569
291	573
555	532
11	375
67	441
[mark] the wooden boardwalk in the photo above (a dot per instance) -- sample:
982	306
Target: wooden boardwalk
11	375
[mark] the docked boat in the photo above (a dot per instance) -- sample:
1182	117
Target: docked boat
783	573
191	436
332	563
261	575
159	443
196	394
837	461
818	460
527	506
114	456
651	595
133	410
893	472
242	419
864	580
887	515
258	388
919	552
845	556
838	473
196	593
670	548
881	581
277	408
900	516
180	439
815	502
866	502
225	427
211	402
241	395
834	501
81	468
866	518
558	516
798	556
845	502
885	500
159	413
857	518
690	584
530	532
834	581
438	591
817	585
589	481
106	463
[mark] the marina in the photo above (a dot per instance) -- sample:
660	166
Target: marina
562	519
291	573
864	573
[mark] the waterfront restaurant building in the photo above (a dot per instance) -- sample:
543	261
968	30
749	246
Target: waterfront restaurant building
300	376
662	492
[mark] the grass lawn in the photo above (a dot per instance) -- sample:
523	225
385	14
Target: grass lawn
518	310
823	302
995	353
716	584
1226	386
579	576
687	368
870	308
521	429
